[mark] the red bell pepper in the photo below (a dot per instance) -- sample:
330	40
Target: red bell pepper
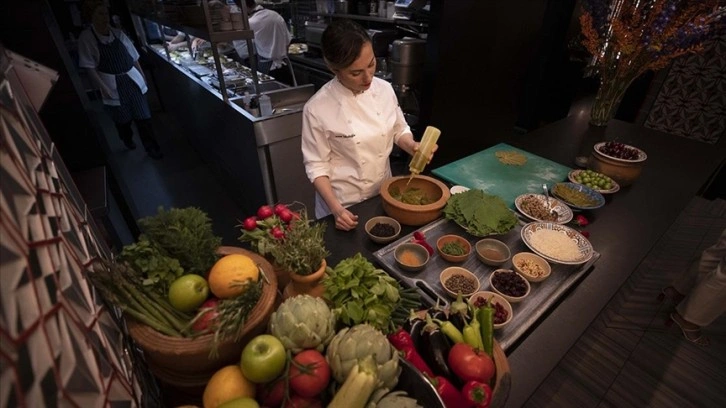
419	238
403	342
449	394
477	394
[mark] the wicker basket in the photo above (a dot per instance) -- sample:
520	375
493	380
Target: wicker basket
184	363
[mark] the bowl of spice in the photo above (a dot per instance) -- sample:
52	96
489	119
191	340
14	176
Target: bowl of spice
492	252
456	279
382	229
453	248
411	257
533	267
503	311
511	285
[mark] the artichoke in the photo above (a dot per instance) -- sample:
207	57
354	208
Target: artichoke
395	399
303	322
352	344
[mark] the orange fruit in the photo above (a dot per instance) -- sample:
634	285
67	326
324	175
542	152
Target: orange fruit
227	384
229	274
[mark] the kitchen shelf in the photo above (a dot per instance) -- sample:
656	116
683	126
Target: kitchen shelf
371	18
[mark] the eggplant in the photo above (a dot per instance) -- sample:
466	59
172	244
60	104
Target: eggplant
414	326
437	312
435	348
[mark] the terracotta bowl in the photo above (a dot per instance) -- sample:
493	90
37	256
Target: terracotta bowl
623	171
463	242
185	363
410	214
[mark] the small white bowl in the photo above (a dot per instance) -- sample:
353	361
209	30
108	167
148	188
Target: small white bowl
382	220
510	298
451	271
416	250
496	298
487	247
521	263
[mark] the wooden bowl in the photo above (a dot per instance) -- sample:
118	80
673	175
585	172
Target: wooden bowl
463	242
623	171
184	363
412	214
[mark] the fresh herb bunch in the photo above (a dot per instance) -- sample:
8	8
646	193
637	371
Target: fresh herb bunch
233	313
157	269
361	293
302	248
184	234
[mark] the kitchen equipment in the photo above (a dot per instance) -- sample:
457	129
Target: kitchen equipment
314	34
381	39
406	60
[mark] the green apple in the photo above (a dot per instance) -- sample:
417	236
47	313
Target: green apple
241	402
188	292
263	359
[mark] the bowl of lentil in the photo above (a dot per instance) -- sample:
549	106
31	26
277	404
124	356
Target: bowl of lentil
533	267
382	229
503	312
510	284
411	257
492	252
456	279
453	248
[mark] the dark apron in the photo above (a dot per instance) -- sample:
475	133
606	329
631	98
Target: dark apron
114	59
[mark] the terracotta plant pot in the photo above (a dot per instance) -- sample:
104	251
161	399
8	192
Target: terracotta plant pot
410	214
306	284
184	363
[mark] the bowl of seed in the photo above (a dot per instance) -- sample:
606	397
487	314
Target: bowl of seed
453	248
382	229
457	280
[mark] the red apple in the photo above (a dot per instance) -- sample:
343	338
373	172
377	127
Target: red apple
206	320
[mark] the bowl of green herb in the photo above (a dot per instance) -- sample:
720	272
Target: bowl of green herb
453	248
414	201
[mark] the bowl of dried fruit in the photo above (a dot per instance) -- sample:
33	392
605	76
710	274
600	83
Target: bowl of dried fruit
503	312
455	280
510	284
382	229
533	267
453	248
621	162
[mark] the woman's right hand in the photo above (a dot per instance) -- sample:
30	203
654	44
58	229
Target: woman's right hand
345	220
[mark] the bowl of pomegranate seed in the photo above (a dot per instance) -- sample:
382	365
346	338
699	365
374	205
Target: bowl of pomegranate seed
503	312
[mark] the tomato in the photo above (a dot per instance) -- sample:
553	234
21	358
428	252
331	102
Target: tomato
204	322
271	394
250	223
265	212
280	208
470	364
309	373
297	401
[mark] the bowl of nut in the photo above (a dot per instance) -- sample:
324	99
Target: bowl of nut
510	284
533	267
503	312
455	280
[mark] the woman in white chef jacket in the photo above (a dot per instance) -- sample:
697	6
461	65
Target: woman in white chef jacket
350	126
112	63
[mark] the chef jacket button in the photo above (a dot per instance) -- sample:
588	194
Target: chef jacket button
357	142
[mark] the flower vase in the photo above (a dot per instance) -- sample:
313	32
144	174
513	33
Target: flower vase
608	99
306	284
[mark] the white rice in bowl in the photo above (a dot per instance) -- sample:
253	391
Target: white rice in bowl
555	244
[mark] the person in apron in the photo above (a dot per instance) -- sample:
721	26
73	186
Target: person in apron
112	63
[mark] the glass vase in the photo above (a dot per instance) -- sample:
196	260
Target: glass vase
607	100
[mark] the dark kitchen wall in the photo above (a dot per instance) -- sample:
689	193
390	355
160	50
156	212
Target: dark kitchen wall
482	68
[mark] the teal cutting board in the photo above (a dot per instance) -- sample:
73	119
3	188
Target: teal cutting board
484	171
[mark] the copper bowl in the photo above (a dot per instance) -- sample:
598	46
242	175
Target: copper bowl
411	214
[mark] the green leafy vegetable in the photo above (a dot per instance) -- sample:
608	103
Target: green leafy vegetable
158	270
411	195
479	213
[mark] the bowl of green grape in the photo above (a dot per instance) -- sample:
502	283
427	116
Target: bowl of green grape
596	181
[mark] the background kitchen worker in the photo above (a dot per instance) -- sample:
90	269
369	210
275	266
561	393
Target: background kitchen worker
700	292
350	126
112	63
272	38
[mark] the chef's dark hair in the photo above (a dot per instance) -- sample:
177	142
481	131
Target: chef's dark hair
342	42
88	7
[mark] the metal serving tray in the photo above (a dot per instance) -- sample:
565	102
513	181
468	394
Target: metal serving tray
543	295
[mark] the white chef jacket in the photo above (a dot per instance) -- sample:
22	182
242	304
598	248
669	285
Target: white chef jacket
271	36
88	57
349	138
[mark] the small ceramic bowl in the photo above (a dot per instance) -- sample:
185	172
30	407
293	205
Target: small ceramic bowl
492	252
480	298
521	282
533	267
461	241
458	274
411	257
386	221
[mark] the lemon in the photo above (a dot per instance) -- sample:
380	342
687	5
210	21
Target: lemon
229	274
227	384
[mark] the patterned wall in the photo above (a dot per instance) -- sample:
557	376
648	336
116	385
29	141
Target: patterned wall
59	344
692	100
